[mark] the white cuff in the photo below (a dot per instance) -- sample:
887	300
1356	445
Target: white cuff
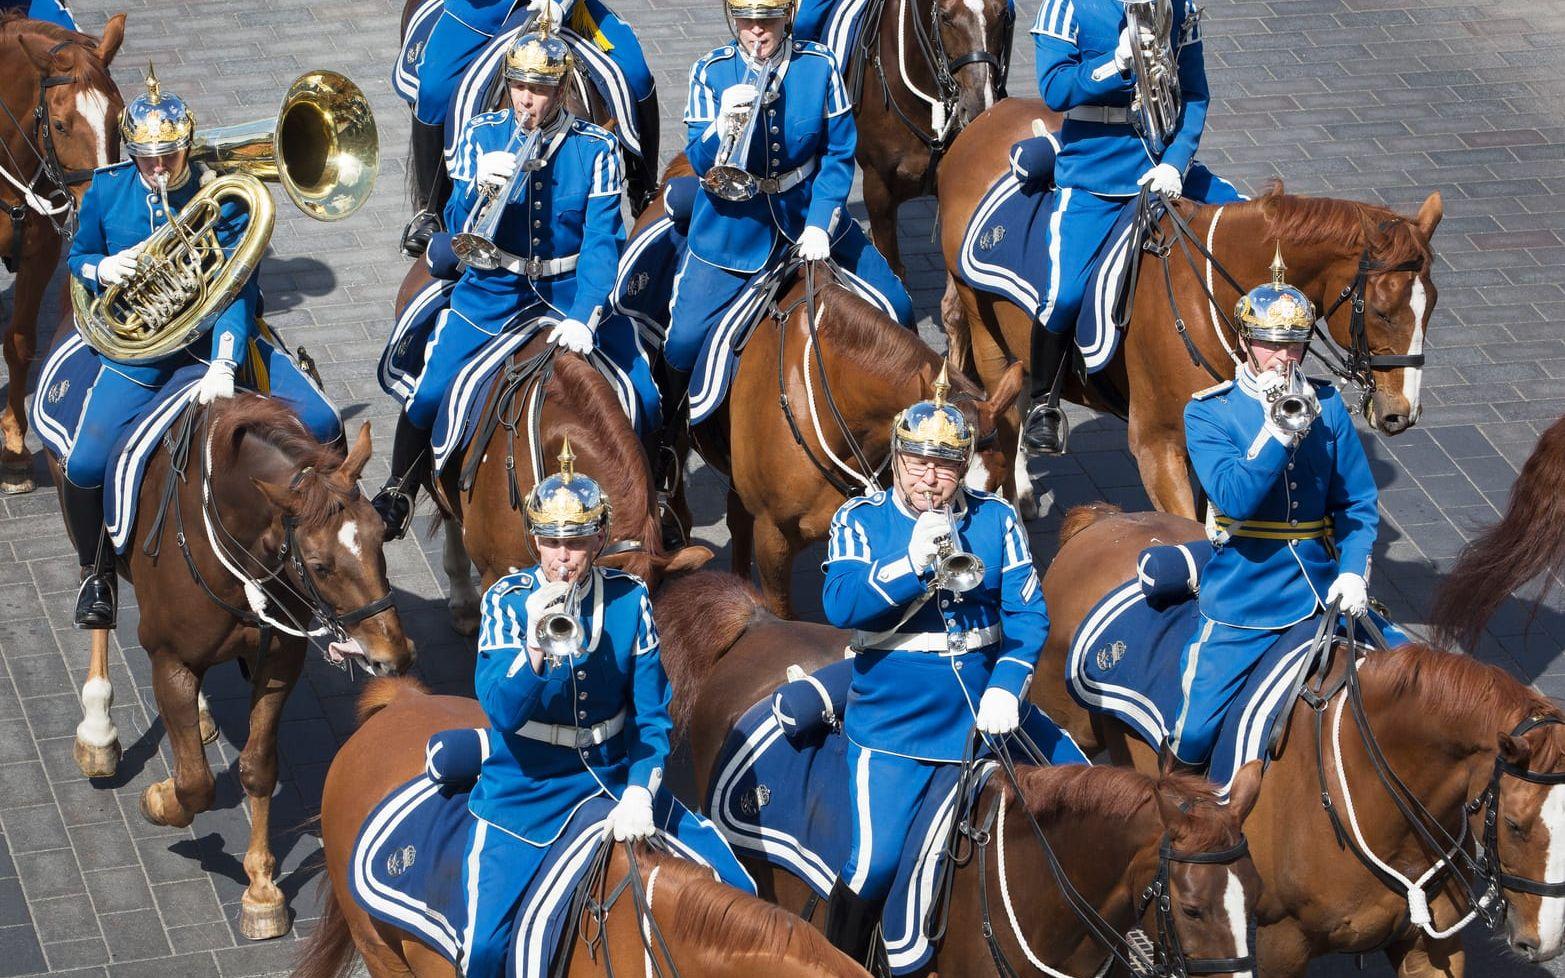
894	570
1104	70
90	272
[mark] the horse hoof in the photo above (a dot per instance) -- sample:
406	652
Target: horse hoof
16	485
208	728
465	621
261	921
155	810
97	762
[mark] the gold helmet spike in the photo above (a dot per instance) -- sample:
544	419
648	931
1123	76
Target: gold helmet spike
1278	268
154	90
942	385
567	461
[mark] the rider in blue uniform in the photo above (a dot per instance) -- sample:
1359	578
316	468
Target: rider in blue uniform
837	24
1086	71
801	156
932	656
462	31
1292	509
52	11
559	239
587	721
121	208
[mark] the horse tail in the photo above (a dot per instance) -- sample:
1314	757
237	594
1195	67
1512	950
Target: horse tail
1081	517
329	952
700	617
1528	541
381	693
959	335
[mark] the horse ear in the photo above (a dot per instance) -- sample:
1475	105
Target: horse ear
1168	809
1006	390
687	559
1430	214
1515	750
1245	790
113	37
280	496
358	456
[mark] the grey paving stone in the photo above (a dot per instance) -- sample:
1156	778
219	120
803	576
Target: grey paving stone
20	953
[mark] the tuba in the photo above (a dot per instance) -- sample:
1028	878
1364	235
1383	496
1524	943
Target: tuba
476	247
1157	100
728	178
322	147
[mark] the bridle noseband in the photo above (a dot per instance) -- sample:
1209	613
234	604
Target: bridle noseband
1488	802
1356	364
1173	961
41	134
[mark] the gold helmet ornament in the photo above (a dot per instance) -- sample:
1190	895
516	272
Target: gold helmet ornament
156	122
934	428
737	10
539	57
567	504
1275	312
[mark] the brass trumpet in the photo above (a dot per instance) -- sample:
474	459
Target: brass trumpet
559	636
728	178
1294	408
956	570
476	247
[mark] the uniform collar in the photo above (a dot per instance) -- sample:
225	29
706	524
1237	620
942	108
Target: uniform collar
958	504
1246	381
551	128
172	186
780	62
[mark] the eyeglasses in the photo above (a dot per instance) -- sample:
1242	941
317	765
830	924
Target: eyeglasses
919	467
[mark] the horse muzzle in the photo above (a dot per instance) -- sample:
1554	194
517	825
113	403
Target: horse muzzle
1390	414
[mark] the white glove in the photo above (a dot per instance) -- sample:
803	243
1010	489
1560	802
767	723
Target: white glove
494	169
1353	593
573	335
632	817
999	712
736	102
549	597
114	269
1164	180
217	382
930	529
814	245
1123	58
552	9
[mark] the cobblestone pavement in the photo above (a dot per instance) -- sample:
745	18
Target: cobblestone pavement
1374	99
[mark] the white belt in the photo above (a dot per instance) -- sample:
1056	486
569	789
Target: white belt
787	181
537	267
561	735
968	641
1108	115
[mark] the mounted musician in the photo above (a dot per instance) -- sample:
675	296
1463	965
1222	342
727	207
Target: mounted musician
462	32
1292	512
1130	79
537	205
772	136
570	678
122	212
50	11
939	583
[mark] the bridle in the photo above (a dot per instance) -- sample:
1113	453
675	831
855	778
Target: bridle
1488	802
49	172
1356	364
1172	959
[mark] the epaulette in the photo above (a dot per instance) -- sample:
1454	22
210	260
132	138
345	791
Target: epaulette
519	581
720	54
1212	391
615	574
811	47
589	128
111	167
872	499
488	118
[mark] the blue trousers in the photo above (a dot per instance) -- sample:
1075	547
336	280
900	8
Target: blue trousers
116	403
495	877
1213	668
630	371
454	342
703	293
884	792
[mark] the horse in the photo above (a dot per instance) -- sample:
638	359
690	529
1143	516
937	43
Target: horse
62	110
709	930
480	488
1526	543
921	70
1366	268
249	535
724	652
1475	751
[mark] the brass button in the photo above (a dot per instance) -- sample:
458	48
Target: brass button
581	674
775	130
1293	485
582	696
535	241
581	715
776	147
1293	522
1295	504
537	224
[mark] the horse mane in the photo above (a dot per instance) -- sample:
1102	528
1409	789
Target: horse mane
876	340
90	70
731	923
275	425
679	166
700	616
1101	792
1342	224
1527	542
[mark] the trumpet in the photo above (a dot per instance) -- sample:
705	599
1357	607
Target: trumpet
728	178
1294	408
956	570
559	634
1157	98
476	247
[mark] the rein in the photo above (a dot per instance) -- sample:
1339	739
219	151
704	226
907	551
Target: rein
595	911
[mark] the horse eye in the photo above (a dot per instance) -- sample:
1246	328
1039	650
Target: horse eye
319	568
1194	913
59	126
1513	825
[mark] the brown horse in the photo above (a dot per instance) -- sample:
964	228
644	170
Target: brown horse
711	930
57	83
724	652
924	69
484	524
1442	720
1324	242
1527	543
255	496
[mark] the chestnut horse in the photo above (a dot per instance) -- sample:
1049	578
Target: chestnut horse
724	652
1459	734
483	522
1339	252
710	930
62	111
923	70
264	536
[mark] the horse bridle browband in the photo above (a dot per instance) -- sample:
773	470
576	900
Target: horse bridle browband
42	131
1488	801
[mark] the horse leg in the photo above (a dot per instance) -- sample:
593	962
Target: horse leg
176	801
882	208
97	741
1423	957
32	277
263	912
741	533
204	718
1163	471
1283	950
774	553
459	570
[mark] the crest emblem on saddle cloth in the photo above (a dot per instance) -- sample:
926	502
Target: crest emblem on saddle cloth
57	391
414	50
991	238
637	283
753	800
1108	657
400	860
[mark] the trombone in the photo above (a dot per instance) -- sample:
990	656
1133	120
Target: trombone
728	177
476	247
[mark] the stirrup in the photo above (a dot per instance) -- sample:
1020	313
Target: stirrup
395	506
416	234
96	602
1046	429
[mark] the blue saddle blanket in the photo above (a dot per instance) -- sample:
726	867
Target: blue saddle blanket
404	73
784	803
64	386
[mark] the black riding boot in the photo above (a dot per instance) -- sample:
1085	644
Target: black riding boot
95	601
642	178
675	392
850	922
410	463
431	186
1046	429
